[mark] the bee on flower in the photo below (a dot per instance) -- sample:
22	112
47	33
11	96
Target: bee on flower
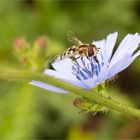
93	70
79	50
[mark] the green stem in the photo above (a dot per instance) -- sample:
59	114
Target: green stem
14	75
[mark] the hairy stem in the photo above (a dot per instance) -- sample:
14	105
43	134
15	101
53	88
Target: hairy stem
14	75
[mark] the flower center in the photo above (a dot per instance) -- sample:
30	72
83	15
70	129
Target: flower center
86	69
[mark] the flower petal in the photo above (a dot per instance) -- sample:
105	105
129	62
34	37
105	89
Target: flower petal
64	66
106	46
109	45
121	65
112	71
100	44
48	87
73	80
58	75
129	61
129	44
105	53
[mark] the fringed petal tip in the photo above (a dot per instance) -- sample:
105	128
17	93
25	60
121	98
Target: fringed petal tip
48	87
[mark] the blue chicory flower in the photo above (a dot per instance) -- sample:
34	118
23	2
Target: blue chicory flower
88	74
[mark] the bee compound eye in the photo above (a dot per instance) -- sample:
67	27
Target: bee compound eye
90	51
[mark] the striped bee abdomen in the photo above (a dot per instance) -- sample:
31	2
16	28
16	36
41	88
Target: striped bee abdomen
70	52
82	50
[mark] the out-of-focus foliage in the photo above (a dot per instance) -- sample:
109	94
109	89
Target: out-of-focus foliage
27	112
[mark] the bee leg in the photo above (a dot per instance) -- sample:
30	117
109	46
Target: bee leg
77	57
98	49
87	57
96	59
74	60
82	60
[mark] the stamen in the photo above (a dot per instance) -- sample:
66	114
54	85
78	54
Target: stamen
83	75
96	70
99	67
92	68
78	77
75	70
87	72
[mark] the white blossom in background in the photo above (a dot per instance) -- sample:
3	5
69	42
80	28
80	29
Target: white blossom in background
90	74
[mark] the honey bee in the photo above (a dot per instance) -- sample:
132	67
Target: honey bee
80	50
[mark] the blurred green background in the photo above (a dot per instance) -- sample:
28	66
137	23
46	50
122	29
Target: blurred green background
27	112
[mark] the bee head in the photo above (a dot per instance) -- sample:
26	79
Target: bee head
92	50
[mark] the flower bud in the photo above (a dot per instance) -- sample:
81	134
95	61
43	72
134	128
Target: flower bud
20	45
39	48
82	104
88	106
42	41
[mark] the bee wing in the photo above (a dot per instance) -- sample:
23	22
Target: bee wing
71	37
